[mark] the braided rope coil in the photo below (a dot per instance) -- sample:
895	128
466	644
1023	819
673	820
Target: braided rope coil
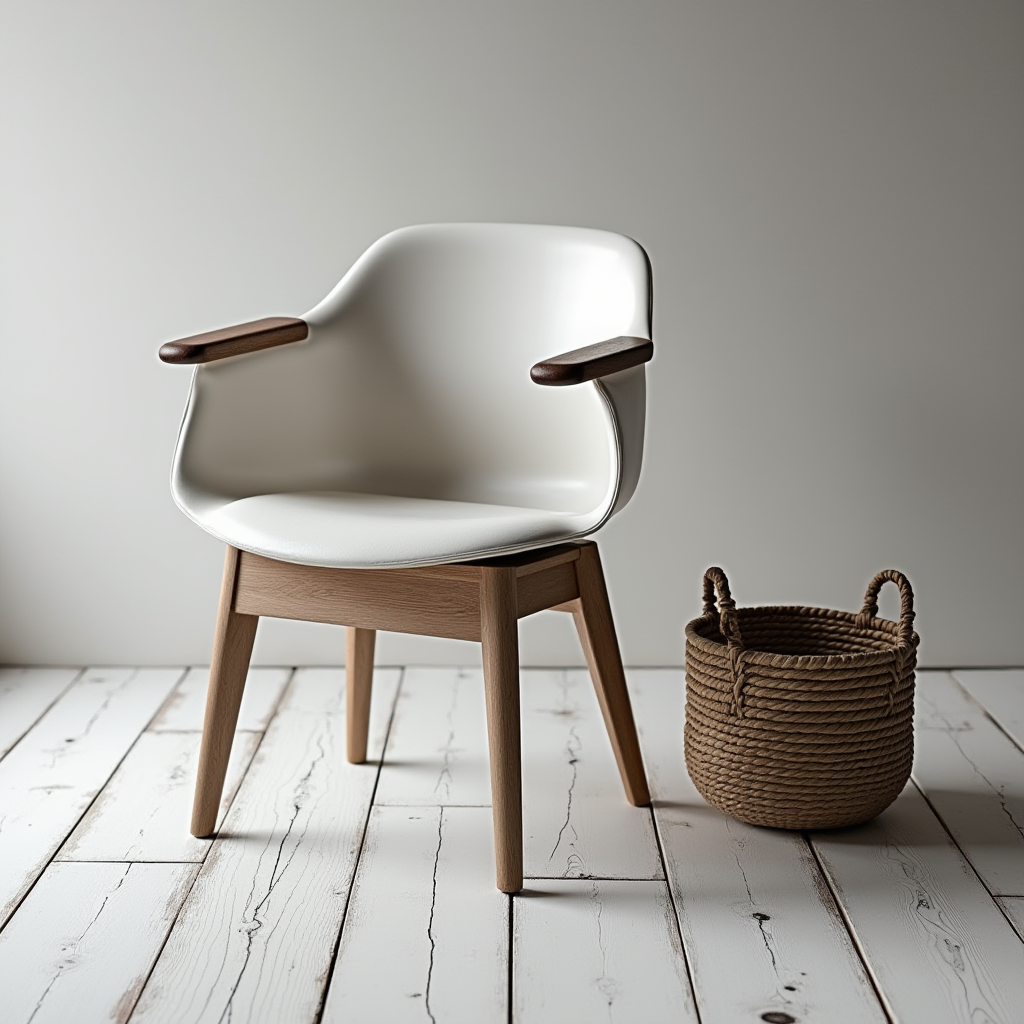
800	718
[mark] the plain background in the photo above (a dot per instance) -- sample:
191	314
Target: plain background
832	196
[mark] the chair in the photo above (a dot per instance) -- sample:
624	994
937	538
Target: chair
387	462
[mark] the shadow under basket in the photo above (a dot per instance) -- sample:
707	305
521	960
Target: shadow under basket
800	718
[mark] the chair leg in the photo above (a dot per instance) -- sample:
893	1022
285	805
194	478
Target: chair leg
359	645
232	649
500	640
593	617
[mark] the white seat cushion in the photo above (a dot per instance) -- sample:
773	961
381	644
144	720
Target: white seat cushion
372	531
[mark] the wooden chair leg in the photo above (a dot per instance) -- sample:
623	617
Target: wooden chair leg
359	645
593	617
500	640
232	649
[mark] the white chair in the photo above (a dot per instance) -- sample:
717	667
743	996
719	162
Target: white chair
387	462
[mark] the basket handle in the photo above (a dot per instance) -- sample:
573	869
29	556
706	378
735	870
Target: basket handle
870	608
715	580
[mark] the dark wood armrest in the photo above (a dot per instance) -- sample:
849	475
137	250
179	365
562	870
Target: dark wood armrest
593	361
235	341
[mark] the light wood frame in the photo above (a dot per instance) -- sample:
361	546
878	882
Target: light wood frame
466	601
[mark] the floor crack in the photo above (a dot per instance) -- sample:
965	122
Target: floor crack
430	922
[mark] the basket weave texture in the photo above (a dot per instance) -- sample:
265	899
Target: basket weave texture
797	717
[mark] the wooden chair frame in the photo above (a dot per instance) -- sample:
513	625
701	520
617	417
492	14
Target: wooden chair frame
466	601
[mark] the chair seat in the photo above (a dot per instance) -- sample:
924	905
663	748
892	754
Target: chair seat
343	529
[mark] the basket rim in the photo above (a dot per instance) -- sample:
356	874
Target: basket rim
753	656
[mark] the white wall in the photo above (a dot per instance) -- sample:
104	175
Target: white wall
831	195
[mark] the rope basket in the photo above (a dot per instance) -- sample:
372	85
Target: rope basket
798	717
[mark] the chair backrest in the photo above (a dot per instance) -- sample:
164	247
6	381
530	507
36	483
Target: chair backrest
415	379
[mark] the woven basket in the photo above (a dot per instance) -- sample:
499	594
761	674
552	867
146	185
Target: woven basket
800	717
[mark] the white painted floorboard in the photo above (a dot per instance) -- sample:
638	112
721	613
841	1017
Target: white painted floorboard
424	898
82	944
144	810
973	777
936	943
745	896
301	913
265	911
598	950
25	696
184	709
49	779
1001	693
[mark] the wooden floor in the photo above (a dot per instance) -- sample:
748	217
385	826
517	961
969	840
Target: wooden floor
365	893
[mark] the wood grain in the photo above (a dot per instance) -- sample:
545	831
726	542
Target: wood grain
973	777
83	943
422	601
183	711
142	812
937	946
267	906
359	644
756	893
239	340
425	893
232	648
49	779
500	641
598	950
592	361
25	695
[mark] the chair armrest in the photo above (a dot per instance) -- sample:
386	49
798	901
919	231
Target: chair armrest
235	341
593	361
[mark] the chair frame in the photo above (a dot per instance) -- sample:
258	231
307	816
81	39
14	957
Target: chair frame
479	600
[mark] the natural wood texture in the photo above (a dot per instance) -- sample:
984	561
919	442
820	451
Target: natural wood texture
536	591
1013	908
1001	693
53	774
437	747
239	340
232	648
973	777
425	893
183	711
756	893
598	951
576	823
111	920
141	813
593	618
266	909
500	641
25	695
439	601
593	361
937	946
359	645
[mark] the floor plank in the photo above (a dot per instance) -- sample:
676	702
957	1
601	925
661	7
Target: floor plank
185	707
425	894
437	750
49	779
25	696
83	942
1013	908
756	893
973	776
576	820
144	810
268	903
597	950
938	947
1001	693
